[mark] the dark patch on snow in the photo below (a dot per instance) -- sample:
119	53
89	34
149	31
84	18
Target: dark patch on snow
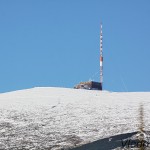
6	125
106	143
53	106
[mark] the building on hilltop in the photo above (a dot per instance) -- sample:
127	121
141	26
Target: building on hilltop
91	85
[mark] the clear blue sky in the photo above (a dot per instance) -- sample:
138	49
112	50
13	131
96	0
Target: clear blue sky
56	43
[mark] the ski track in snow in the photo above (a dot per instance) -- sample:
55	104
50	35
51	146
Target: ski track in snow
55	118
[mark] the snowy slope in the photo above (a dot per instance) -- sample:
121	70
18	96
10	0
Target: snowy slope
55	118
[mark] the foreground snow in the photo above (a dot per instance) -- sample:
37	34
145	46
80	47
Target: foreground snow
55	118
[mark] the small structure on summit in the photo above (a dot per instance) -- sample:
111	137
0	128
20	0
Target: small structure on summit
91	85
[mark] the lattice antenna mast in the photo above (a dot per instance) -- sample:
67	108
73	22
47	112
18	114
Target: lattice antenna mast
101	55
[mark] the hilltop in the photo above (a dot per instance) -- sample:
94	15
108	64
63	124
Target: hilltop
56	118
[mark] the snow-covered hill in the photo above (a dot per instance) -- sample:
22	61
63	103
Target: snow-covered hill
55	118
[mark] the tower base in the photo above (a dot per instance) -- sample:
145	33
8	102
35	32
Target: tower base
90	85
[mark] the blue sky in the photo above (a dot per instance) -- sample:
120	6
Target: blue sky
56	43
